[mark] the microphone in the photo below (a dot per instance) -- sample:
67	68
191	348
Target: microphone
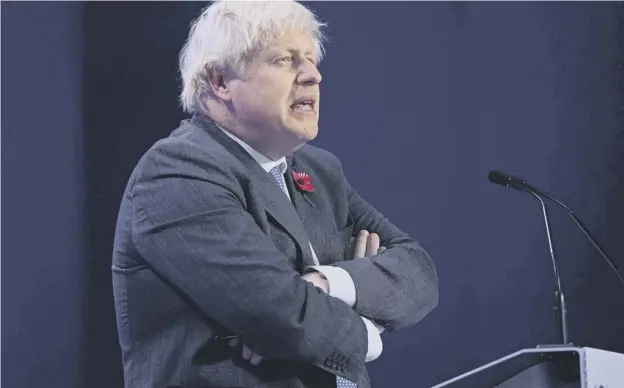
508	180
519	183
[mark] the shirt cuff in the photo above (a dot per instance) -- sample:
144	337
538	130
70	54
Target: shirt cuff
375	345
341	284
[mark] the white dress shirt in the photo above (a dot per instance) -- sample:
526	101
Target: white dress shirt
341	284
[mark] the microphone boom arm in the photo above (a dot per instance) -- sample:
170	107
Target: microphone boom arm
518	183
563	312
578	223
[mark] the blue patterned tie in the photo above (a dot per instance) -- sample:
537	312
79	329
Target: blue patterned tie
344	383
276	175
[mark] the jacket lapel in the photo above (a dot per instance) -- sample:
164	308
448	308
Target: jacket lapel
276	202
304	204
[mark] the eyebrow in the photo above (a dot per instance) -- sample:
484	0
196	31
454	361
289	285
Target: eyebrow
275	51
306	53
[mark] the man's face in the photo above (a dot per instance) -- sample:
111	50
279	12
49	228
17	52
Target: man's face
277	101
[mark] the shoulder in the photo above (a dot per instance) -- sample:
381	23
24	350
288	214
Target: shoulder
188	146
187	153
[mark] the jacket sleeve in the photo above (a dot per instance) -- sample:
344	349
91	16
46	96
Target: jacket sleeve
191	225
398	287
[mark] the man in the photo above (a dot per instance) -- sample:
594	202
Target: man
232	264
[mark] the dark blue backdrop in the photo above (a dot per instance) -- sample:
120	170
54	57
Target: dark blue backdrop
420	101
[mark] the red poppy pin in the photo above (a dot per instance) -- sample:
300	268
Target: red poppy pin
303	181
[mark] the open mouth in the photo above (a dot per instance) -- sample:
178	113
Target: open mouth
303	105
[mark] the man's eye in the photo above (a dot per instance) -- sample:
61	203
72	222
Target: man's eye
285	59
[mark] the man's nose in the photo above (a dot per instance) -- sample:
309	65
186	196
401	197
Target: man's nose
309	74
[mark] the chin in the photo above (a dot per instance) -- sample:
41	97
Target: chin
307	130
308	135
299	137
303	131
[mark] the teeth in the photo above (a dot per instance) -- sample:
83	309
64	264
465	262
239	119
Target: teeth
302	106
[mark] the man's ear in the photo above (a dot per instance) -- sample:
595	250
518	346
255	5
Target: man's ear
218	85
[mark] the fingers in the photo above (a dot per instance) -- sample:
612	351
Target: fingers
361	241
246	353
367	245
372	244
255	359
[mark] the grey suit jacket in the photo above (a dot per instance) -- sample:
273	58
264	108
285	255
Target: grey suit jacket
206	246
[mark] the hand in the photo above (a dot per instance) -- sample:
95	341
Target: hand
367	245
254	359
318	280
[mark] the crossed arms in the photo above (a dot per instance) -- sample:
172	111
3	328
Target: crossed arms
366	245
194	231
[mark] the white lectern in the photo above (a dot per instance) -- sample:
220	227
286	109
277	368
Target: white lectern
547	367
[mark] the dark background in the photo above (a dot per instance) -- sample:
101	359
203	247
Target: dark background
420	101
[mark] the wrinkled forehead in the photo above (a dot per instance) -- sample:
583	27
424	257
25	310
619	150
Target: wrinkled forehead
279	42
293	41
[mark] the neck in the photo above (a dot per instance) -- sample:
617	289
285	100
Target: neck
252	139
269	145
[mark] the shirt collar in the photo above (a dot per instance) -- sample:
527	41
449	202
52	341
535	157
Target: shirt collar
266	163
